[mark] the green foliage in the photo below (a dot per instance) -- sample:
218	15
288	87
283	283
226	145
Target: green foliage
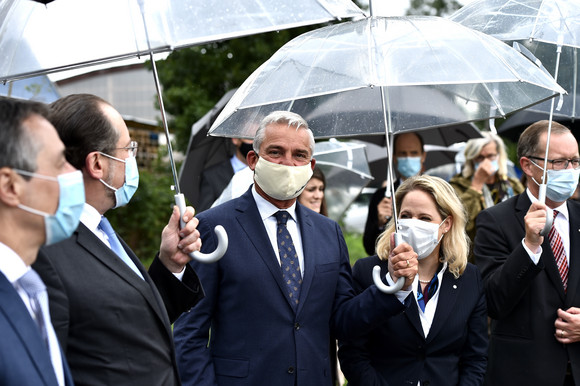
194	79
433	7
355	247
140	222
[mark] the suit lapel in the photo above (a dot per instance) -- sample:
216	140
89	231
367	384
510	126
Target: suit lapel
413	315
547	257
93	245
308	239
17	314
249	219
448	291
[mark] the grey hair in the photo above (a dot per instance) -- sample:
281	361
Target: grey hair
287	117
18	148
473	149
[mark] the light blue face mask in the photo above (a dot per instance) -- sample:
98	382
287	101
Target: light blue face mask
409	166
494	166
71	200
561	183
124	193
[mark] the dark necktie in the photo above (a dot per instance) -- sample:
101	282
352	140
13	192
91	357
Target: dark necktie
559	253
116	246
288	258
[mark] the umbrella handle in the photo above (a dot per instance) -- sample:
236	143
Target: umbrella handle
377	276
549	213
220	233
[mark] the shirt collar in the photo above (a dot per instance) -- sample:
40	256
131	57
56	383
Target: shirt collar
267	209
90	217
11	265
563	209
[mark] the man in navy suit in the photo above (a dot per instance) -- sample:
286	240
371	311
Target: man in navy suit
535	310
268	328
32	194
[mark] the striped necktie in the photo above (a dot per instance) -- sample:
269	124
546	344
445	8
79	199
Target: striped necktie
559	253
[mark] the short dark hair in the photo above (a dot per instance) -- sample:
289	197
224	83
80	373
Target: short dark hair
530	138
83	127
17	145
410	132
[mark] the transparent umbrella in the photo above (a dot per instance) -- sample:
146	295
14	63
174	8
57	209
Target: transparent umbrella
550	30
65	34
421	71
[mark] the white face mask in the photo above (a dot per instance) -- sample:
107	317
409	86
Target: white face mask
422	236
281	182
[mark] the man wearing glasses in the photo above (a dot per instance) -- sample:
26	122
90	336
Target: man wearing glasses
532	282
113	318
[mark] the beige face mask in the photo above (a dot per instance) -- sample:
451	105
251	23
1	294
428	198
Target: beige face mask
281	182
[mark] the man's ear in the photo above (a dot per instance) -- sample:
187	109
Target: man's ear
313	162
94	165
252	159
526	166
11	187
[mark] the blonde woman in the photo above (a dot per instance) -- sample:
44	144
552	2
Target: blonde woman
484	180
441	339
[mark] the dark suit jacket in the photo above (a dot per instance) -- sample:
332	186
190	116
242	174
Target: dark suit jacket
522	297
213	182
24	359
256	336
112	325
397	352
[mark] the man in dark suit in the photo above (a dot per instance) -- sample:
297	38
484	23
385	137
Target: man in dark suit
215	178
410	155
272	302
532	283
32	168
108	312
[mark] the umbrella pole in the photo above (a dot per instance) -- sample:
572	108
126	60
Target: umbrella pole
544	184
377	269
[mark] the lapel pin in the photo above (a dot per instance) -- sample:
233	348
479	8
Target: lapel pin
454	286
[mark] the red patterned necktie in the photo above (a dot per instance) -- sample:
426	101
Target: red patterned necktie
559	253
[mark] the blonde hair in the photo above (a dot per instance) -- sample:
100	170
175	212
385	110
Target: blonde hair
473	149
455	243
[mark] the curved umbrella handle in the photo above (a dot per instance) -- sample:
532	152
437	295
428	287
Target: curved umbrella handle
219	230
385	288
377	275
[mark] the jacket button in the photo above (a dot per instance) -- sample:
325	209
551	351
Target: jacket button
297	326
290	370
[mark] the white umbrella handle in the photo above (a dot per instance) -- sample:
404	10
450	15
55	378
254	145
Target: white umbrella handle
220	233
377	276
549	212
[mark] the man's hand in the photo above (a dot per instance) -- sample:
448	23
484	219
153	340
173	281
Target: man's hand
535	221
176	243
403	262
568	325
385	210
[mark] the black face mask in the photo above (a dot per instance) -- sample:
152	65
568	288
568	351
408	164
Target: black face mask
245	148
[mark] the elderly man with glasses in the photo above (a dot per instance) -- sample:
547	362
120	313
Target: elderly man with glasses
532	280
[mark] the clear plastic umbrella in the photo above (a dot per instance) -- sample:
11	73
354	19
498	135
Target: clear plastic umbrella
65	34
416	72
550	30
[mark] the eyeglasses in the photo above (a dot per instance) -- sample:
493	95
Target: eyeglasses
560	164
491	157
131	149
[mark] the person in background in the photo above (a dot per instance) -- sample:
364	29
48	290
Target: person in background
532	282
41	199
484	180
441	339
284	285
312	196
112	318
215	178
410	155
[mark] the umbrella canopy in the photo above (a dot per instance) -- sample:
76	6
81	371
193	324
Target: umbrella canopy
66	34
38	88
345	168
544	27
420	71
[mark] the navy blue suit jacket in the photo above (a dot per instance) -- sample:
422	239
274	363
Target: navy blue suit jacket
523	298
24	360
397	352
256	336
